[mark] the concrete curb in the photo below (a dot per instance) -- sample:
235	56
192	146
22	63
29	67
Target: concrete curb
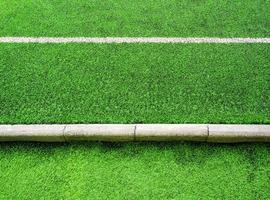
239	133
136	132
100	132
46	133
171	132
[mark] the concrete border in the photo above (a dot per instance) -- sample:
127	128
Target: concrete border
102	132
171	132
45	133
238	133
136	132
131	40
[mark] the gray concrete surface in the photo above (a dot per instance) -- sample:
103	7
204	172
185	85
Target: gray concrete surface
46	133
239	133
100	132
171	132
136	132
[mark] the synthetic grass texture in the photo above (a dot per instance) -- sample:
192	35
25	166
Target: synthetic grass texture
134	83
134	171
174	18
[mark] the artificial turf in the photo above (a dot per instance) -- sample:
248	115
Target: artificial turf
134	171
134	83
185	18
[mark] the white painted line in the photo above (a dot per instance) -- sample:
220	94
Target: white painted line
239	133
99	132
136	132
130	40
171	132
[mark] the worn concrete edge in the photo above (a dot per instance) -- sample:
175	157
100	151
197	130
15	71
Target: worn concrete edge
224	133
232	133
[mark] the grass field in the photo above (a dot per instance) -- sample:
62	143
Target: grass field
134	83
134	171
185	18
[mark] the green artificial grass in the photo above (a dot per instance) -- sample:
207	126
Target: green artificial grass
134	171
134	83
185	18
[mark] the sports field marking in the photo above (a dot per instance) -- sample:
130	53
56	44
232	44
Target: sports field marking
130	40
